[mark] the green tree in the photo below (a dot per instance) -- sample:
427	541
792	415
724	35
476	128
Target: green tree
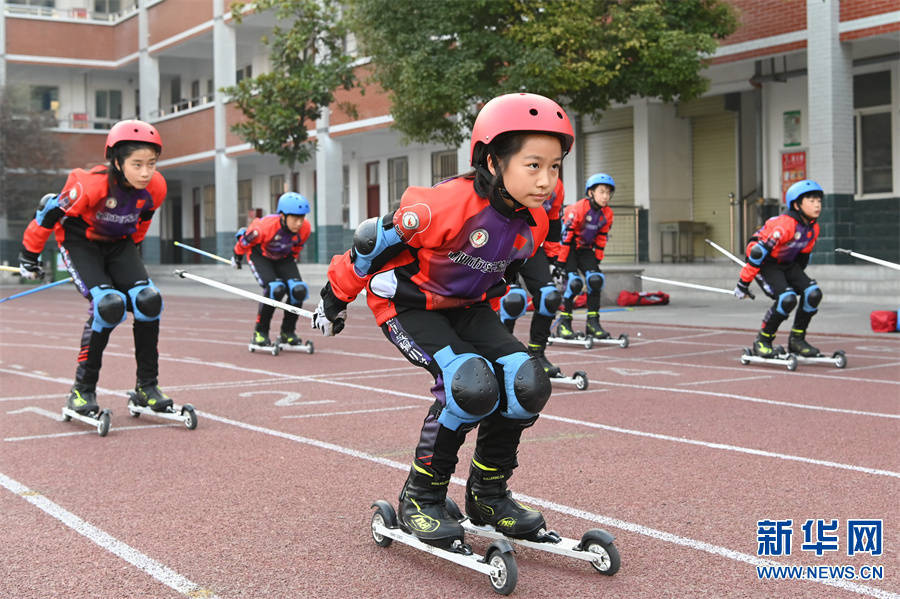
438	59
308	66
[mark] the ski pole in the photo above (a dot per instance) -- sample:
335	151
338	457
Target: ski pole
35	290
689	285
201	252
5	268
733	258
868	258
248	294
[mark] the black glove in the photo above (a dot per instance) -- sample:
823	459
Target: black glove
330	314
30	265
742	290
236	261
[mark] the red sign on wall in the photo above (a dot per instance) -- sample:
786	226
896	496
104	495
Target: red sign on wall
793	169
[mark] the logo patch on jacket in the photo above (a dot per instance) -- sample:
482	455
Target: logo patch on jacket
478	238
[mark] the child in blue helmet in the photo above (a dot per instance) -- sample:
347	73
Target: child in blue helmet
779	253
586	226
272	245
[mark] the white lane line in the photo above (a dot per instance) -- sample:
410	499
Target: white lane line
87	432
160	572
563	509
744	378
319	415
707	444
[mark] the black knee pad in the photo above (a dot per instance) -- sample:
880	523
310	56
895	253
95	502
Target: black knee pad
527	386
812	296
474	387
146	301
786	302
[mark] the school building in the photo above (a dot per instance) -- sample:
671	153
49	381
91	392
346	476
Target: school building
802	89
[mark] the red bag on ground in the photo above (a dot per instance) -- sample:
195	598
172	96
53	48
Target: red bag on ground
884	321
642	298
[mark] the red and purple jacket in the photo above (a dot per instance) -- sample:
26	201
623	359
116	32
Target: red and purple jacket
585	227
274	240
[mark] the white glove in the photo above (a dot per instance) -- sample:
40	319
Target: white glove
328	327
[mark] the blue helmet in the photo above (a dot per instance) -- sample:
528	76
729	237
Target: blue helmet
598	179
801	188
292	202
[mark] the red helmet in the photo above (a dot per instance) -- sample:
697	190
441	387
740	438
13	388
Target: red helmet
132	130
520	112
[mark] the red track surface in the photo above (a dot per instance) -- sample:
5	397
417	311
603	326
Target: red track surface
675	448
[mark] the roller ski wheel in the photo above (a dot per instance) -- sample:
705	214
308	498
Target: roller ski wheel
578	378
579	339
185	414
623	341
596	545
100	420
305	348
499	562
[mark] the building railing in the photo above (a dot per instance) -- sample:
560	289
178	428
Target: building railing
75	13
623	244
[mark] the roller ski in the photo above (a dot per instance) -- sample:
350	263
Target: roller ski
149	399
565	335
763	352
260	342
809	354
424	523
291	342
491	512
579	378
82	406
593	329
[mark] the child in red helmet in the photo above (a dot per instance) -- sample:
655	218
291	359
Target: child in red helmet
99	217
779	253
430	269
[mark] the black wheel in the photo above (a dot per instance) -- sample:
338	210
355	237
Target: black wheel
840	359
103	424
310	347
453	510
385	516
792	363
66	417
581	380
276	349
623	340
607	560
504	581
190	420
588	342
252	349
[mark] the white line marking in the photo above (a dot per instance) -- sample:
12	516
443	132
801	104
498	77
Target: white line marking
163	574
745	378
563	509
352	412
87	432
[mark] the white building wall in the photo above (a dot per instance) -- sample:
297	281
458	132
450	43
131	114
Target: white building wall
779	98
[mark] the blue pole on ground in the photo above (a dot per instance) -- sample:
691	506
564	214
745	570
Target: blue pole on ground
35	290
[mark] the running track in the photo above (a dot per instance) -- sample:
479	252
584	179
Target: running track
675	448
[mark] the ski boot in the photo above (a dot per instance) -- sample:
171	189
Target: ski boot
797	344
82	406
423	510
564	328
593	328
261	342
489	502
808	354
291	342
537	351
763	352
148	398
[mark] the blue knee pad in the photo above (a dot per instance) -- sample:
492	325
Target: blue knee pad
146	301
595	280
109	307
786	302
276	289
812	295
757	254
470	388
513	304
573	286
547	303
298	291
370	240
527	386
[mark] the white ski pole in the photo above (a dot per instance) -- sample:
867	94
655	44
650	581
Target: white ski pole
248	294
868	258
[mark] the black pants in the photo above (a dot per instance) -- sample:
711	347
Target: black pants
119	265
536	274
419	334
584	260
267	271
780	278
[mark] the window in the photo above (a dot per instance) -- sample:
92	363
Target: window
244	202
107	107
276	188
345	197
872	134
244	73
443	165
209	210
210	91
109	7
398	181
195	91
44	98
